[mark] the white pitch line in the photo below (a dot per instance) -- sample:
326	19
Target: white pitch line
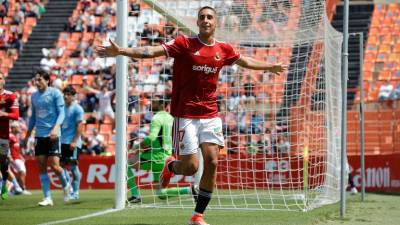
82	217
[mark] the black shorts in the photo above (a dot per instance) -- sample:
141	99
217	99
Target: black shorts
47	147
67	155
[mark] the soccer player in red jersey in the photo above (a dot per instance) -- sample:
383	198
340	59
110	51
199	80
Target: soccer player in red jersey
17	161
197	62
9	110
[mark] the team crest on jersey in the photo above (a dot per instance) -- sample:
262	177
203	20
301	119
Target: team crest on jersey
217	56
197	53
181	146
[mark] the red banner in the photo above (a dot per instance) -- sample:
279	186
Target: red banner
382	173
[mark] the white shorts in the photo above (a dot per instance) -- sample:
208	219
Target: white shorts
107	112
188	134
18	165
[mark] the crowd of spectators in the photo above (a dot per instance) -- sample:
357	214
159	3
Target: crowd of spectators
17	17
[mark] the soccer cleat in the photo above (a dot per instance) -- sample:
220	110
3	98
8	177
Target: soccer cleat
18	191
25	192
197	219
353	191
46	202
4	192
67	191
134	199
195	192
74	196
166	175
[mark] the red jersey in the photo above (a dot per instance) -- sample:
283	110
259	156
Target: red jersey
14	147
195	75
9	104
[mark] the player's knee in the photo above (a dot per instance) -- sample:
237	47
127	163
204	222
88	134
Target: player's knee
211	164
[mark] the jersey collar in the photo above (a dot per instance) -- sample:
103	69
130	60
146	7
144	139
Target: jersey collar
198	38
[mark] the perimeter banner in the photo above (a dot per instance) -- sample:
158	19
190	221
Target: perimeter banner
382	173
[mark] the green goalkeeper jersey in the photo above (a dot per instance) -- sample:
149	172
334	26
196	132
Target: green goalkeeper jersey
159	138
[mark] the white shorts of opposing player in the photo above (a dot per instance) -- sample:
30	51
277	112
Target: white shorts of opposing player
190	133
18	165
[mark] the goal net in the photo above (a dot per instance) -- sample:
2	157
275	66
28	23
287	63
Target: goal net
282	133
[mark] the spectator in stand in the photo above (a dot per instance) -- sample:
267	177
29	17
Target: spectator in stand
95	143
105	98
150	34
48	62
134	8
395	93
283	144
384	91
3	10
24	105
256	122
3	39
170	31
18	17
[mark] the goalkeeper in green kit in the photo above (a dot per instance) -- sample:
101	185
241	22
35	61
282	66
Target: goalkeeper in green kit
152	153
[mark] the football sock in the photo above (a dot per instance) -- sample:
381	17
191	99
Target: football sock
66	174
202	201
76	174
132	183
63	179
15	183
45	181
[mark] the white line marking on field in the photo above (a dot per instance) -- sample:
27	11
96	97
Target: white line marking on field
82	217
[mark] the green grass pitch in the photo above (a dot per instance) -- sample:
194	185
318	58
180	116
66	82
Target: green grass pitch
18	210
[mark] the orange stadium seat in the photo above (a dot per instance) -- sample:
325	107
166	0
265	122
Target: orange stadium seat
105	128
367	76
396	48
382	57
395	75
385	75
369	66
370	56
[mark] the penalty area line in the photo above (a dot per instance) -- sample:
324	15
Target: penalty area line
82	217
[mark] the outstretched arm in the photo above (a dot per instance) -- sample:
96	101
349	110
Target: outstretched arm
254	64
141	52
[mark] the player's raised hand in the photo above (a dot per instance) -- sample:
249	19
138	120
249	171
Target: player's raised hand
107	50
278	68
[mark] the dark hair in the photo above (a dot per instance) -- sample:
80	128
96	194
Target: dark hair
69	90
206	7
160	102
45	75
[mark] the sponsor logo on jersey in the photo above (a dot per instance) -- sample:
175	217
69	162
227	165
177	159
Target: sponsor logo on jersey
204	68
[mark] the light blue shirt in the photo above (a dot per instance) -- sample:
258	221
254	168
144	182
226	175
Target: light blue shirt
73	116
47	111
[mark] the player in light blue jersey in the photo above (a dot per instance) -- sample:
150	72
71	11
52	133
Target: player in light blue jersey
47	117
71	142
